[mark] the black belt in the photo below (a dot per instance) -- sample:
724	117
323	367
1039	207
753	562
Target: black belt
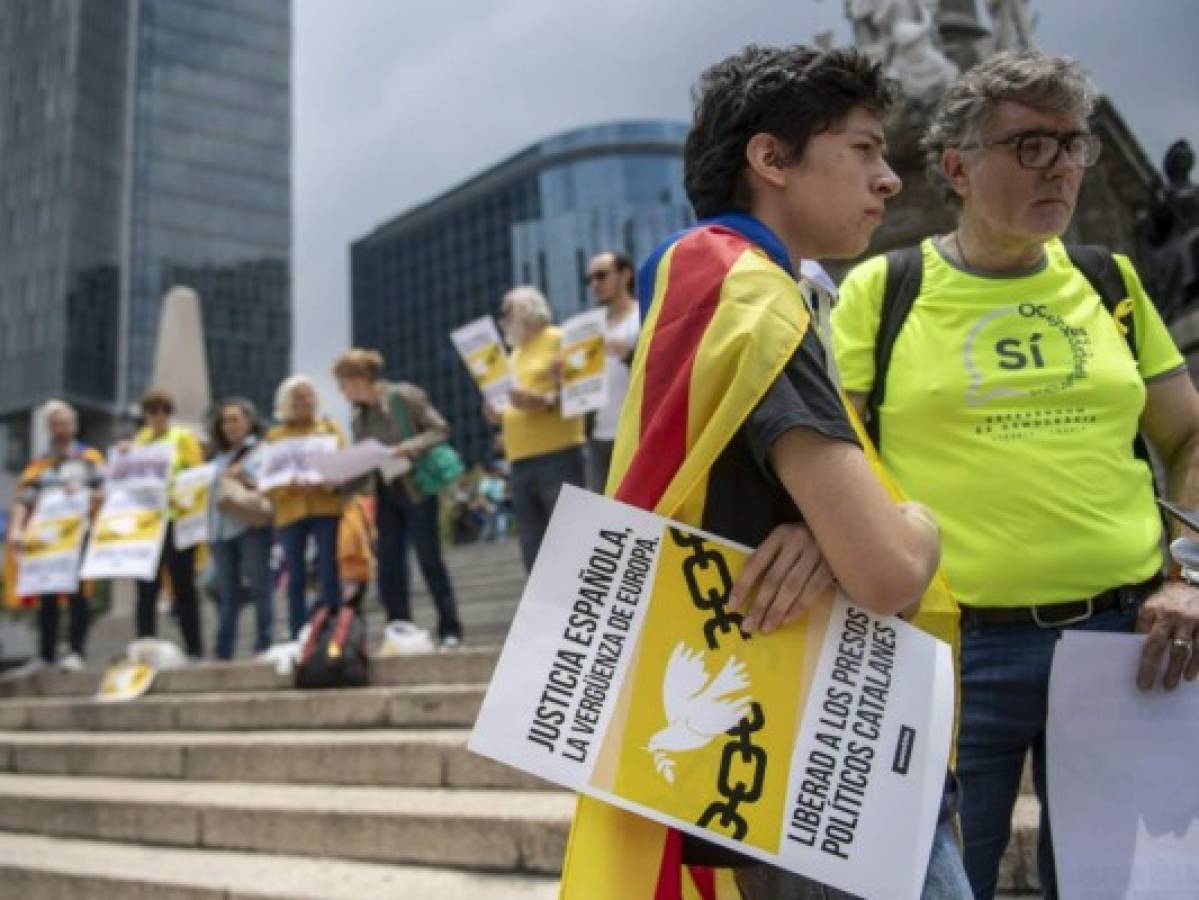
1058	615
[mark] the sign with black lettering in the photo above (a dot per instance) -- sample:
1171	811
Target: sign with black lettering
821	747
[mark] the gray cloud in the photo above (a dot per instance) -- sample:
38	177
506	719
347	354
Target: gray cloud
397	101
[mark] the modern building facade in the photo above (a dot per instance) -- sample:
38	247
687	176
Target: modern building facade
535	218
143	144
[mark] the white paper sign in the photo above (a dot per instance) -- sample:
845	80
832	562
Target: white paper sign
625	677
288	461
191	492
584	363
358	459
479	345
1122	781
127	537
53	541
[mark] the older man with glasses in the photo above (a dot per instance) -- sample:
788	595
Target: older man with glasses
610	275
1006	375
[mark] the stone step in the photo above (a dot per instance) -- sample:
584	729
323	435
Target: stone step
470	665
428	706
390	758
57	868
514	831
1018	868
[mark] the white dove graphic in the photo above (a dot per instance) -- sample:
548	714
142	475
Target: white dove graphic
696	709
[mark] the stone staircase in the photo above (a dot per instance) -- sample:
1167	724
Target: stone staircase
223	782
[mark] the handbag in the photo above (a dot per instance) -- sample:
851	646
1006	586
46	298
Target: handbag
435	469
241	503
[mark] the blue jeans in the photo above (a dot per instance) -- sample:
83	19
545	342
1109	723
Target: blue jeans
944	880
401	522
535	485
243	560
294	538
1005	692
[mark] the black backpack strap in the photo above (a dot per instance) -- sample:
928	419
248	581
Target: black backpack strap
905	272
1103	272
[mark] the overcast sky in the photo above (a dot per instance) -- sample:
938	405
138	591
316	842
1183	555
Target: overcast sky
397	100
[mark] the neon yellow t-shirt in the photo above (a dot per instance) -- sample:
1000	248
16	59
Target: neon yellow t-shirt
532	432
1010	411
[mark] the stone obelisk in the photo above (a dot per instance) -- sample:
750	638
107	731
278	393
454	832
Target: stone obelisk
180	361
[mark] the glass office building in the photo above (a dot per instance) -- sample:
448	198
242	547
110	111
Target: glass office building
535	218
143	144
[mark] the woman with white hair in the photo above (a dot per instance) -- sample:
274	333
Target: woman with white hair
71	465
545	449
305	510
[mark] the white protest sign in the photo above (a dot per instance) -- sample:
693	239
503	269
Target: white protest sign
191	491
625	677
1123	800
48	562
479	345
288	461
584	363
127	538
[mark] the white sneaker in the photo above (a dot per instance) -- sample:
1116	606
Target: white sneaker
450	642
24	670
72	662
402	637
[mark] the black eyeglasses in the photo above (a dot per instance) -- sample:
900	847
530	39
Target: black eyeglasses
1041	149
599	275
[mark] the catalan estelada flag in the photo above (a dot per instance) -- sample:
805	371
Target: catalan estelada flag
723	316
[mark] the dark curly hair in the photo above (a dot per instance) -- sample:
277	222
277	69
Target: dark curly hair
792	93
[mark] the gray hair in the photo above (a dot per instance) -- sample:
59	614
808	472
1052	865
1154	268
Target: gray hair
284	409
1051	84
528	305
59	407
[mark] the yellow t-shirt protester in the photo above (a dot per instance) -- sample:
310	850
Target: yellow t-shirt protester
1010	410
186	452
532	432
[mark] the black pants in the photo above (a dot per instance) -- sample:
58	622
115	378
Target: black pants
401	522
181	564
48	624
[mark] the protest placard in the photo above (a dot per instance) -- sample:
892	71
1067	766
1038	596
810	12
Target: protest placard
584	363
288	461
479	345
53	541
821	747
127	537
190	492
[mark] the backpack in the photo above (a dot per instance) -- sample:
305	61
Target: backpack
905	271
335	653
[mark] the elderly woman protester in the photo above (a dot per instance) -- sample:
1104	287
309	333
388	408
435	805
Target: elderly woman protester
1015	387
400	415
240	545
157	408
544	448
70	465
304	511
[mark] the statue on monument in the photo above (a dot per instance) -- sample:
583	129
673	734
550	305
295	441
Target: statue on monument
1170	230
903	36
1012	25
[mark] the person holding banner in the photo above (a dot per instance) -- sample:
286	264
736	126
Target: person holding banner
157	408
241	550
306	510
544	449
1047	360
734	425
401	416
71	466
610	275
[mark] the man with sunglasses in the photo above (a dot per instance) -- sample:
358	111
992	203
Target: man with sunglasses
1012	397
610	276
